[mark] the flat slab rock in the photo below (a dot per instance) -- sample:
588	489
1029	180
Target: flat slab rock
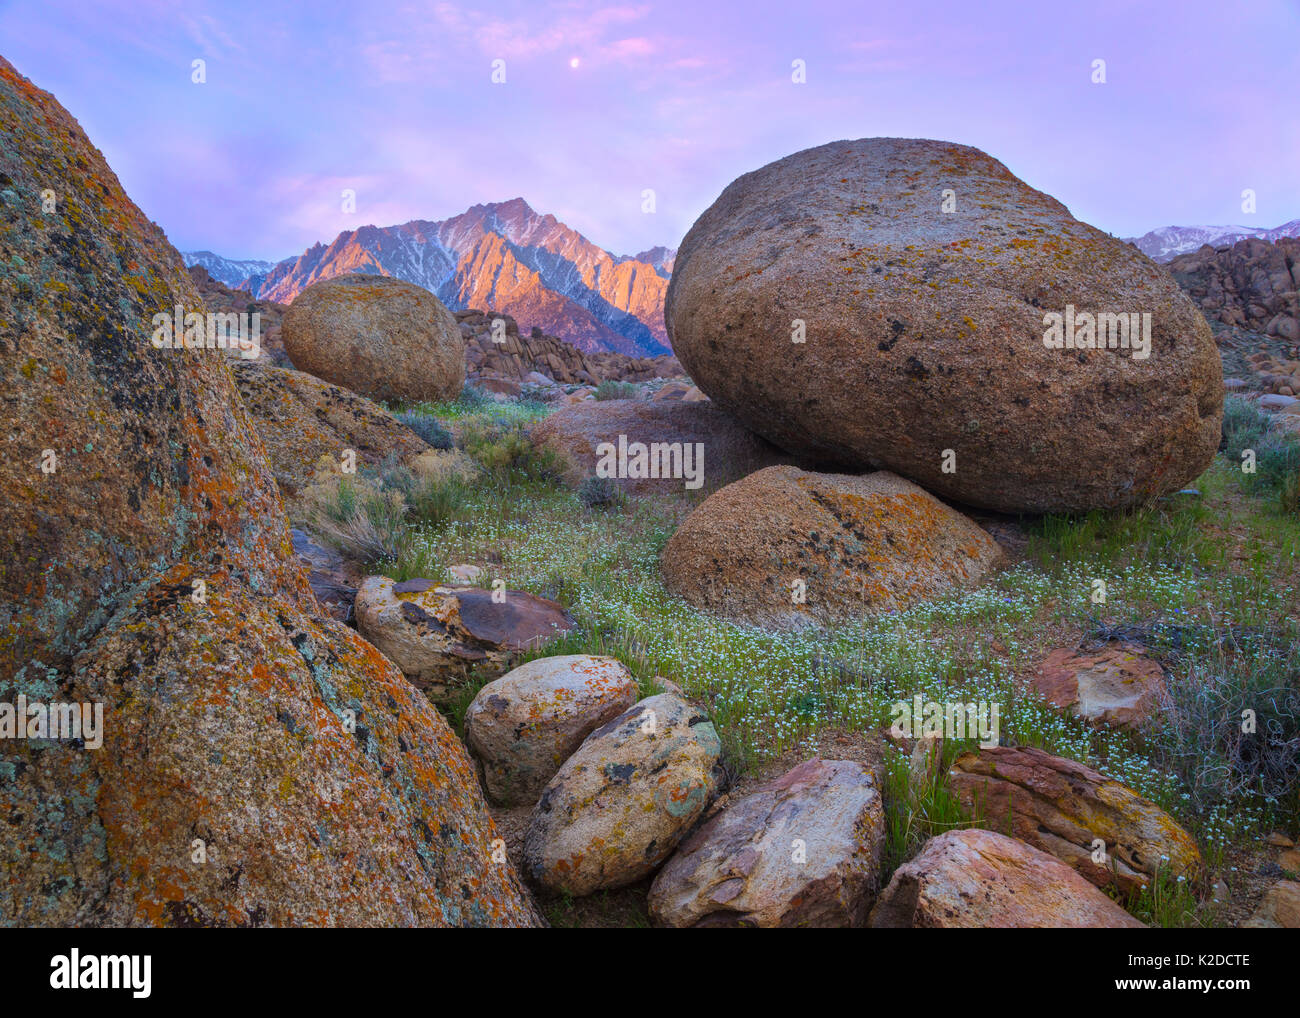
524	725
437	634
803	850
1062	807
1117	685
854	544
619	805
730	450
979	879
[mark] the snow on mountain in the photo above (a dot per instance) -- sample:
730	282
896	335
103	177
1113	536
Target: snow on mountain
506	257
1170	241
230	271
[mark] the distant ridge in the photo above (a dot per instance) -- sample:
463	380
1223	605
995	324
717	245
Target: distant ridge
1171	241
502	255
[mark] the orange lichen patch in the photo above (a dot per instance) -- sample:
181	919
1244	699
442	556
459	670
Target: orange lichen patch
856	543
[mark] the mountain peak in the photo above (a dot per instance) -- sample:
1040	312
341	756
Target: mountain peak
503	255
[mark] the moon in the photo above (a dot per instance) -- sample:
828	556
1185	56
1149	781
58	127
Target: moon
573	62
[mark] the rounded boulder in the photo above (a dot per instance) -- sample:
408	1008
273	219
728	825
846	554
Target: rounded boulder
888	303
378	336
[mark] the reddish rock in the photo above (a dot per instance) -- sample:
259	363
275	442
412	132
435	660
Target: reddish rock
1063	807
1117	685
856	544
378	336
830	303
980	879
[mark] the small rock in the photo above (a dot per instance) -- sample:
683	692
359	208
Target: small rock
1279	840
524	725
437	634
1280	908
620	804
1117	685
803	850
464	573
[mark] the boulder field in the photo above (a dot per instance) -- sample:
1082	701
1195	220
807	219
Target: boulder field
911	305
260	763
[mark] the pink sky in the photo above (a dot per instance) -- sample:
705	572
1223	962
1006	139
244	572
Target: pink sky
397	103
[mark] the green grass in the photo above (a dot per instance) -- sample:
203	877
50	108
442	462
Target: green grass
1206	581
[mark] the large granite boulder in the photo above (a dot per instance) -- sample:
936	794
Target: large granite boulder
923	330
524	725
786	548
1065	808
980	879
802	850
255	762
382	337
621	803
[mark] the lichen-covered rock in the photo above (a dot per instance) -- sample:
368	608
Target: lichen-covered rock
1280	909
831	303
577	432
1117	685
300	419
438	634
380	336
524	725
260	764
802	850
621	803
1063	807
973	878
785	548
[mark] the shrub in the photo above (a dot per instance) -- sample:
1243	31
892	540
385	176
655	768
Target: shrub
609	389
601	492
1277	455
506	452
365	525
428	428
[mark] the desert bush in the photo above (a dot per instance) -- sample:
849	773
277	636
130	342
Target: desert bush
601	492
1202	727
503	448
1277	454
428	428
609	389
364	523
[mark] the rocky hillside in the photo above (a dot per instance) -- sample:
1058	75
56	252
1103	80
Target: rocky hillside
1252	284
506	256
